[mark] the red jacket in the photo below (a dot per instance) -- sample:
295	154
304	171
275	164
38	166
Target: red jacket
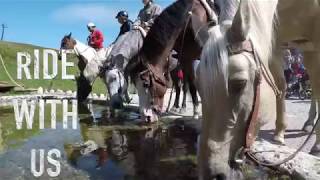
95	39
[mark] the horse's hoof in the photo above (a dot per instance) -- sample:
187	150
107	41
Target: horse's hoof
307	128
174	110
315	153
315	150
279	139
183	110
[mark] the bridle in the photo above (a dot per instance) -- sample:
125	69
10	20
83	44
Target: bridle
155	83
247	46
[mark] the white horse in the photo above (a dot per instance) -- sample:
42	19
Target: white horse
233	75
90	65
299	25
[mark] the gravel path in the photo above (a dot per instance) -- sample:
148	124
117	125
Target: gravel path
297	114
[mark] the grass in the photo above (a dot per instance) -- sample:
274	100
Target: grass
9	51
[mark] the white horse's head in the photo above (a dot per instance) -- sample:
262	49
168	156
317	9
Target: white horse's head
229	78
117	86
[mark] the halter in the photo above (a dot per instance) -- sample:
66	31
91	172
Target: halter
155	83
247	46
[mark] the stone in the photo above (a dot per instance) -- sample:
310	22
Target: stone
95	96
40	90
102	96
69	92
296	167
51	91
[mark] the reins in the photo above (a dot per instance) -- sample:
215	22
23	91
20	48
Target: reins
253	118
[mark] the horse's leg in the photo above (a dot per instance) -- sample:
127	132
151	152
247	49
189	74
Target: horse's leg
184	99
84	88
276	68
312	63
194	96
126	92
176	86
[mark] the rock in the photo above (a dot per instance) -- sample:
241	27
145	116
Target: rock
95	96
303	166
69	92
46	91
59	91
51	91
40	90
102	96
74	94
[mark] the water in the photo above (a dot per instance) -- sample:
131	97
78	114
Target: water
106	148
100	148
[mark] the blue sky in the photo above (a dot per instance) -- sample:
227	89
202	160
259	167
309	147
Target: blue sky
45	22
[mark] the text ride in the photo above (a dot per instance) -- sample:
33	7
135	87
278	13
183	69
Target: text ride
24	60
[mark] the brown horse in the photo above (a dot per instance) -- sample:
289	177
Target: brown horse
179	27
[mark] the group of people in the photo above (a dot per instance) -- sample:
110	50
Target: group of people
145	20
293	65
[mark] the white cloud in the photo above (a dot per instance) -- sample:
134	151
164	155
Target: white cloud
76	13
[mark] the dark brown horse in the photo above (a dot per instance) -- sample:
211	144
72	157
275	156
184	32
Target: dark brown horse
179	27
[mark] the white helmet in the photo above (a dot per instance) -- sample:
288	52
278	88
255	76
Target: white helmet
91	24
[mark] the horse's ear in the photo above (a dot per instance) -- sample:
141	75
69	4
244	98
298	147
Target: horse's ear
239	29
69	36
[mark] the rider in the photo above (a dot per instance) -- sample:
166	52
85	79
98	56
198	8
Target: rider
147	14
288	60
95	39
126	23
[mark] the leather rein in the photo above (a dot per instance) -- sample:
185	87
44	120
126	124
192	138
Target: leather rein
247	46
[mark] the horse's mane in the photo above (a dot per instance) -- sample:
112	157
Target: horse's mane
167	24
228	9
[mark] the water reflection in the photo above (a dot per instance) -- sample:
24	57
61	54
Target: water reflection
151	152
106	148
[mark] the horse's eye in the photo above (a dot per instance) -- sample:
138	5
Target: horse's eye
236	86
112	79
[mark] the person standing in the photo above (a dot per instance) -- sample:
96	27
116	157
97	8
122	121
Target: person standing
288	60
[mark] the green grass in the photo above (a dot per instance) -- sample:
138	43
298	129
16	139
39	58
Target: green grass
9	51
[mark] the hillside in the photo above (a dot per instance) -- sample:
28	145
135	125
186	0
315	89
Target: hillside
9	50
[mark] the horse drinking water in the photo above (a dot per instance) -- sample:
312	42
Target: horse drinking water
234	80
149	68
